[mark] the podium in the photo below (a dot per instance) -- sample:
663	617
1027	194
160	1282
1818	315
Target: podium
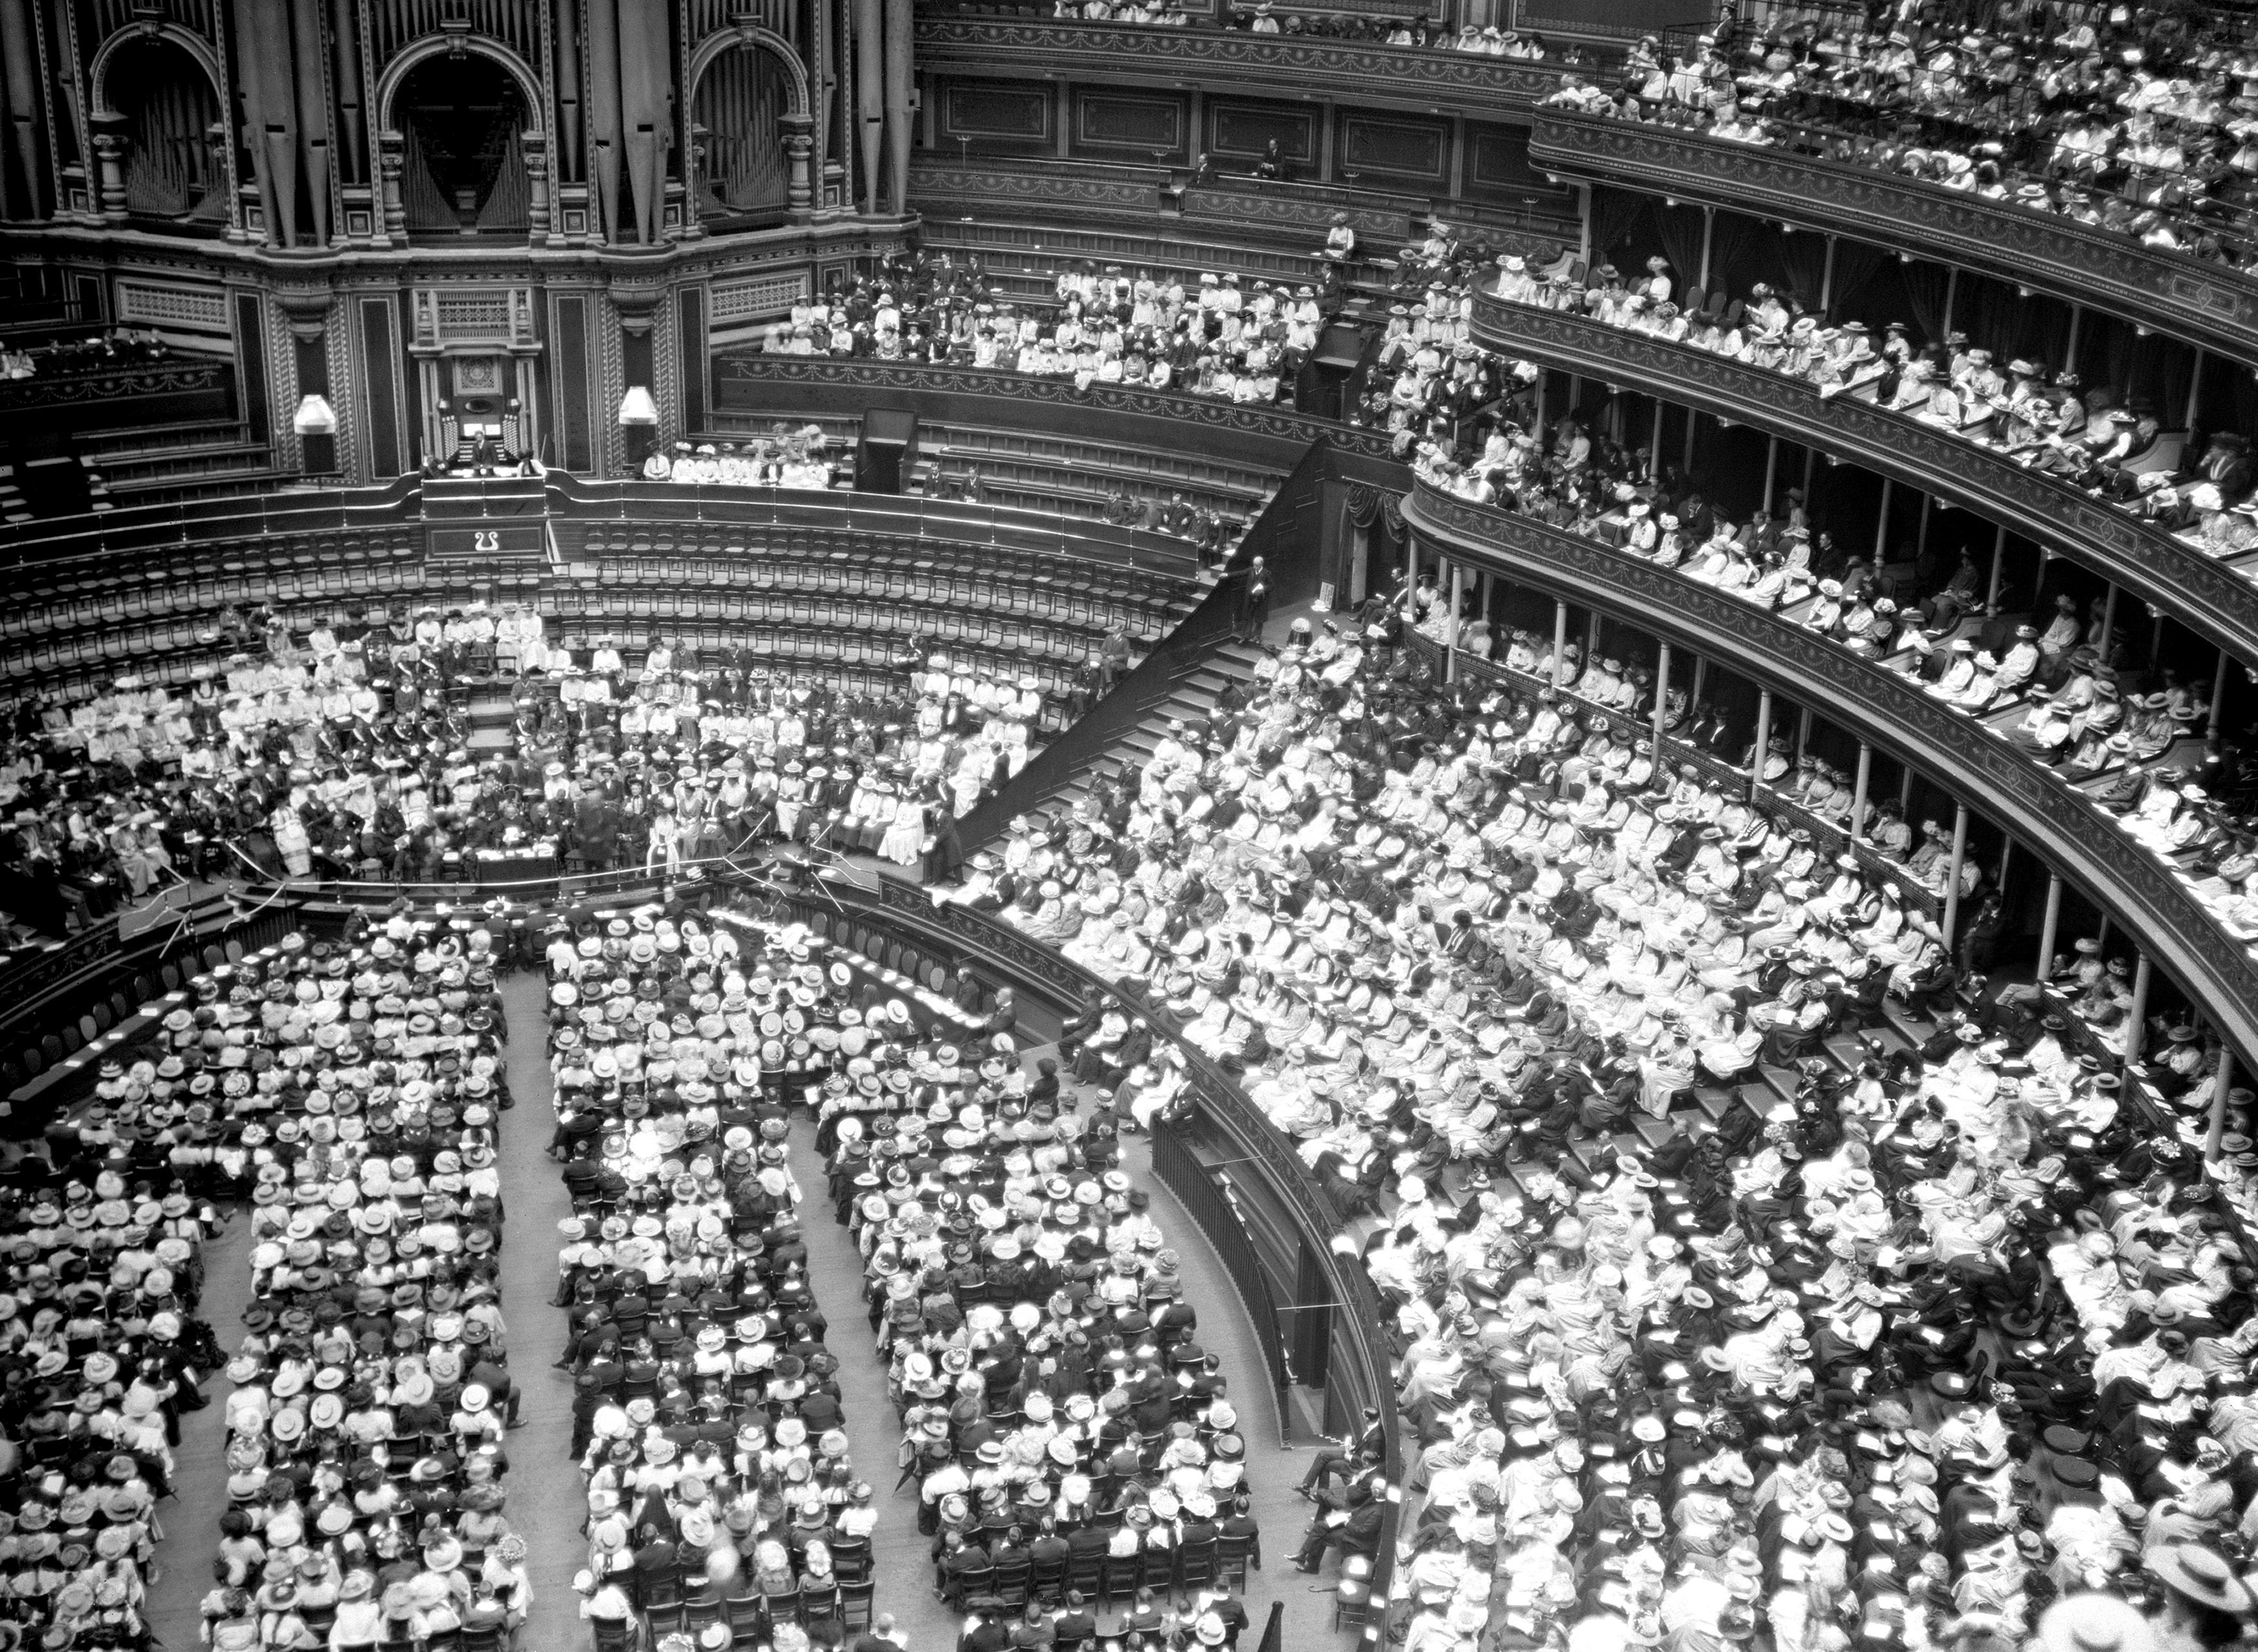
888	452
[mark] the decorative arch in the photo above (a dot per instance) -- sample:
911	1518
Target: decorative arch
141	33
751	34
396	73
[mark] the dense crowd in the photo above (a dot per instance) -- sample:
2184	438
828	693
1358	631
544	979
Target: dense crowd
2131	119
103	1229
1060	1415
706	1418
345	750
352	1091
1885	1356
1241	342
2094	438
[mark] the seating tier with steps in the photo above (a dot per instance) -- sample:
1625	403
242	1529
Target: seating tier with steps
1022	260
1034	471
1191	696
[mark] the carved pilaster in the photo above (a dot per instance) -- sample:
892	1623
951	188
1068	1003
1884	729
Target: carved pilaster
799	148
391	155
536	148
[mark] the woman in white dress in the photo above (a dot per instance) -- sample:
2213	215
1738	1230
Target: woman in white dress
904	843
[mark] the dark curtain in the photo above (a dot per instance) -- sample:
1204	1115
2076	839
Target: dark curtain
1614	213
1925	287
1856	266
1679	231
1733	245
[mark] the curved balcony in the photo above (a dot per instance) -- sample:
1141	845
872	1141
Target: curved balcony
1230	61
2060	822
753	383
2170	576
2199	299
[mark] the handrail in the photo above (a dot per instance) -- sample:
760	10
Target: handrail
1043	972
2170	576
1470	83
1192	412
2201	299
2062	823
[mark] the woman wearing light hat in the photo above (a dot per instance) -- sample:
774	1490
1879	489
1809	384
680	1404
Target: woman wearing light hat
2202	1604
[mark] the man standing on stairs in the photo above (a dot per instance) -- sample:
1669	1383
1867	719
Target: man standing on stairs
1253	604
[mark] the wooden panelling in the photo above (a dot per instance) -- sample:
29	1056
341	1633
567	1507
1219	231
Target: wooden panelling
995	116
379	363
1419	149
1119	124
1239	128
1497	164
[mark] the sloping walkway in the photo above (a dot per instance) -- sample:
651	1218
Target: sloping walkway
191	1518
547	1499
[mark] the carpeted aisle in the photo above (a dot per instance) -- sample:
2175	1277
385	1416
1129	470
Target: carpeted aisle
191	1518
900	1559
546	1501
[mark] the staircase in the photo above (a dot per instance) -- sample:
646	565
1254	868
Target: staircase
1193	688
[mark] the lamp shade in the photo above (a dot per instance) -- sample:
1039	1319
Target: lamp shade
315	416
637	408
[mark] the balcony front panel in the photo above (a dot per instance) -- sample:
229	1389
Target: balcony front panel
2196	299
1224	61
2170	576
2073	836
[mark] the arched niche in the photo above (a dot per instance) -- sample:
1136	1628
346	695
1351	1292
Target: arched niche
461	147
156	94
750	129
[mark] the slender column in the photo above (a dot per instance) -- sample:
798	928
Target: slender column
1827	281
1951	293
1959	858
1559	641
2050	927
2136	1031
1686	462
1999	561
1584	222
19	73
1882	523
1654	464
2195	390
1709	238
901	80
1858	789
1764	739
1803	732
1661	694
2218	694
2070	347
1772	469
2223	1087
1451	625
1920	544
2108	622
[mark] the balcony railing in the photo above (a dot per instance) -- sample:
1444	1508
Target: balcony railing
2169	574
2063	825
2200	300
747	382
1223	59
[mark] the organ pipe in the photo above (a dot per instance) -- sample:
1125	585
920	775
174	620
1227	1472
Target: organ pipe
313	111
604	137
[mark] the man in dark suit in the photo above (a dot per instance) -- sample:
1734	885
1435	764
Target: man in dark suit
1358	1534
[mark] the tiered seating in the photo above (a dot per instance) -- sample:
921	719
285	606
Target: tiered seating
773	1527
1127	1476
